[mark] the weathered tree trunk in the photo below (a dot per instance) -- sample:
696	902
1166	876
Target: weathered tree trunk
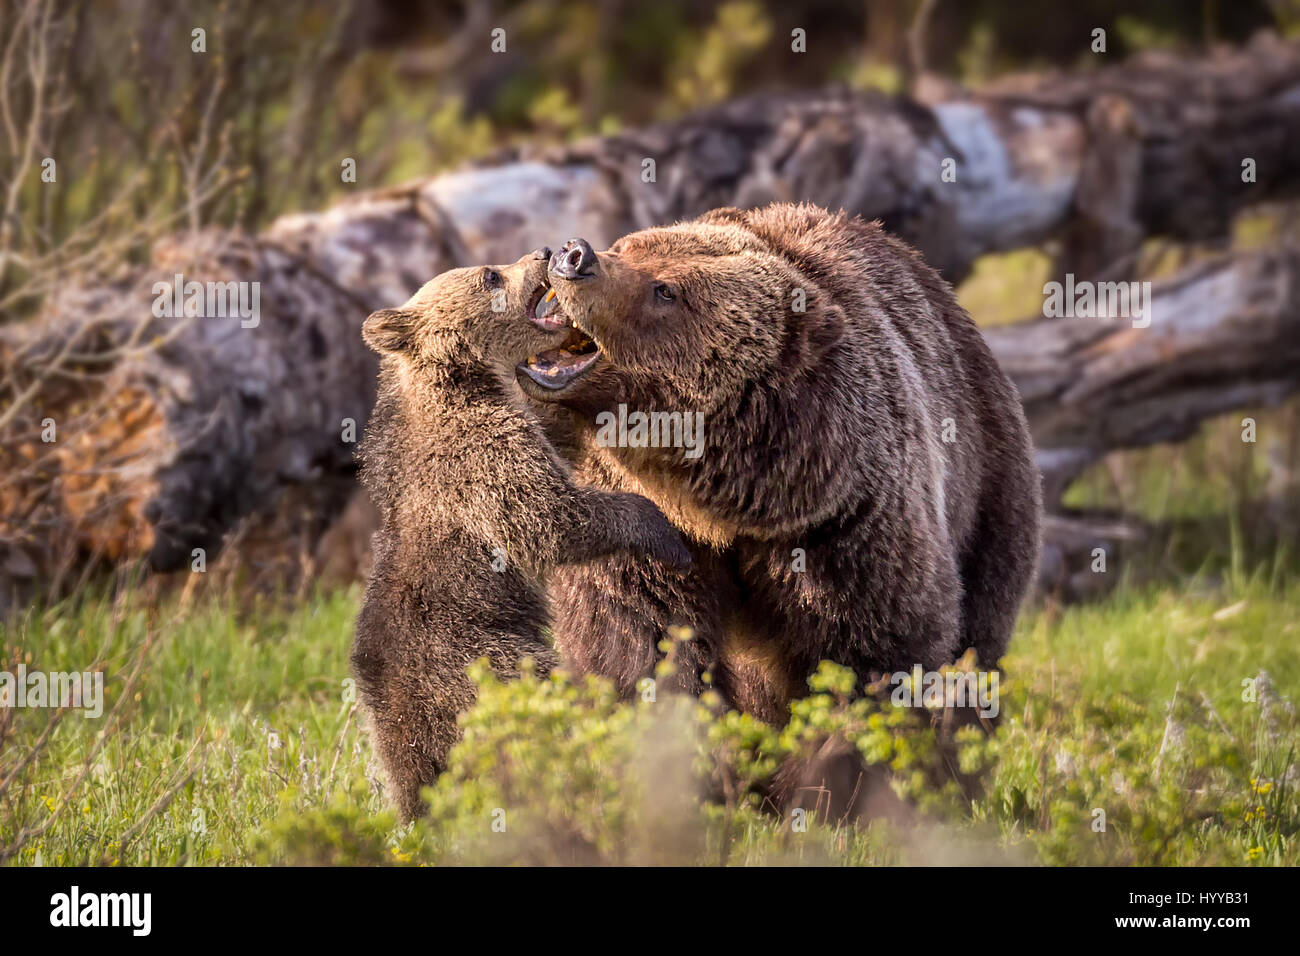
170	430
1223	335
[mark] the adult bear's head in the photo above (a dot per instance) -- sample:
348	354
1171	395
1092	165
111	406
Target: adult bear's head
688	317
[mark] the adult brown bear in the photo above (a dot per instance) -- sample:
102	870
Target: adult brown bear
865	490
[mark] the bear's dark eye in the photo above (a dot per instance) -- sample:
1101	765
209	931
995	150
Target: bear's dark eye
491	278
663	293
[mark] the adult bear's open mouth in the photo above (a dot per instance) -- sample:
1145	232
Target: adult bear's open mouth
558	368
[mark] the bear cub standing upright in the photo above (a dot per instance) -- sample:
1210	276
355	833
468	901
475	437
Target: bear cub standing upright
476	509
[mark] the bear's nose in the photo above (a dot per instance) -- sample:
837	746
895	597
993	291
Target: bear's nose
542	253
574	260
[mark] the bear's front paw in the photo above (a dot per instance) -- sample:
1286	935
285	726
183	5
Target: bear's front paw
671	549
659	538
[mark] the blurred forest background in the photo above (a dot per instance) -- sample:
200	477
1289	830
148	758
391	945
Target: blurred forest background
155	141
227	707
163	138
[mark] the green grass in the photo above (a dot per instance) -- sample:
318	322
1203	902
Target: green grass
237	743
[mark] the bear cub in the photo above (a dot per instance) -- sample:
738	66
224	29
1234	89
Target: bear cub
476	509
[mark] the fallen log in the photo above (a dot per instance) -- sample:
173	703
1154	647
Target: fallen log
1223	335
172	429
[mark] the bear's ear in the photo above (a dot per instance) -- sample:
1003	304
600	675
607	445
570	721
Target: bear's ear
389	330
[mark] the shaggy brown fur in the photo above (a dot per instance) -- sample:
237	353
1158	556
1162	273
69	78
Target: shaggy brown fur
873	434
476	510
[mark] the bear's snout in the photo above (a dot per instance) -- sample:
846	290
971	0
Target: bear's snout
574	260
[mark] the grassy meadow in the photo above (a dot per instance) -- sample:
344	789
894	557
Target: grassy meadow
230	737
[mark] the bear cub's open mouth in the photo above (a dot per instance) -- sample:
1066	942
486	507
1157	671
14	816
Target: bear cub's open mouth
558	367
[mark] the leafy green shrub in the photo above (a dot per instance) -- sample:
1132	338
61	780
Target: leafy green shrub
560	770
